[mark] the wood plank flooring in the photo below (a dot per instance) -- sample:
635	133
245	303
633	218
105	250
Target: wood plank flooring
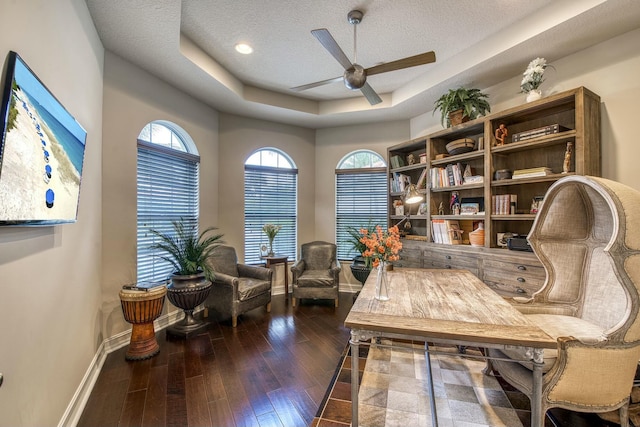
272	370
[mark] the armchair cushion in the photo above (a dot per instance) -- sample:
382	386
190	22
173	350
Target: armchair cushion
315	278
249	287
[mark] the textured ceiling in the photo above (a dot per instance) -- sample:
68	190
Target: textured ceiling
190	45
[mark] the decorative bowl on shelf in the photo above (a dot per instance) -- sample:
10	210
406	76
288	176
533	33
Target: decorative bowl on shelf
459	146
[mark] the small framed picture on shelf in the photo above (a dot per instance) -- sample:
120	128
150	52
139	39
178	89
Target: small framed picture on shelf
264	250
469	208
422	209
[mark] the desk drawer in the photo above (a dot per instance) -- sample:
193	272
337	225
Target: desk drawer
513	278
409	257
444	265
434	258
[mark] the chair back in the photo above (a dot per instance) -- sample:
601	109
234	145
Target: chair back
224	260
587	236
318	255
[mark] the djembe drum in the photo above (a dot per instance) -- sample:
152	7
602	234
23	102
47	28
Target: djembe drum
141	308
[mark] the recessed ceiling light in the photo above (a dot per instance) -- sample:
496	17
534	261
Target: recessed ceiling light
244	48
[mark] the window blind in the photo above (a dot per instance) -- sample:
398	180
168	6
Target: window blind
167	191
270	196
361	198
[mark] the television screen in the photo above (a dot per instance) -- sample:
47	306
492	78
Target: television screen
41	152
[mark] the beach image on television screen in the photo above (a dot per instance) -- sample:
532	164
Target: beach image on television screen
42	155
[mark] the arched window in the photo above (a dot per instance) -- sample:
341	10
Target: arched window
270	197
168	165
361	196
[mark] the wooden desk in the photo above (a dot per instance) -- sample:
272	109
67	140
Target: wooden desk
444	306
279	259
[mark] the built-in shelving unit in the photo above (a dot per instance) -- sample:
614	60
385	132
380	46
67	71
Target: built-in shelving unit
576	113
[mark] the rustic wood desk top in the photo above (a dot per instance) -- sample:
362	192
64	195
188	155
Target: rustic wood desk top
443	304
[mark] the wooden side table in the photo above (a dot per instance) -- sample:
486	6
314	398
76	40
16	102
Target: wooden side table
279	259
141	308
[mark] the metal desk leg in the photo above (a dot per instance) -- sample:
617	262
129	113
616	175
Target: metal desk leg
355	377
537	415
432	397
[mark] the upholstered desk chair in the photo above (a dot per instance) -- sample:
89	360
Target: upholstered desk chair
317	273
237	288
587	236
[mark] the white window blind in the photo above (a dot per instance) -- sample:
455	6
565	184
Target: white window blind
167	191
270	196
361	199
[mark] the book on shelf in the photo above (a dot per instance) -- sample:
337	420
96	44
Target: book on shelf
143	286
531	172
448	176
422	182
504	204
396	161
399	182
541	131
446	231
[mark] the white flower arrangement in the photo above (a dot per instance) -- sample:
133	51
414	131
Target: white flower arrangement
532	76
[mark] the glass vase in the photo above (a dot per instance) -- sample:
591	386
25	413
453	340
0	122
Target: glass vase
382	283
271	253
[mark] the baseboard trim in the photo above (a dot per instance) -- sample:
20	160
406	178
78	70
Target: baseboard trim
74	410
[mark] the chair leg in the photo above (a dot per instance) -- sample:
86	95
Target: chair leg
488	369
269	307
336	302
234	321
624	415
293	301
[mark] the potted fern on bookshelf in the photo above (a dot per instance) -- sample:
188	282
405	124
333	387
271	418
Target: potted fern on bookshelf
461	105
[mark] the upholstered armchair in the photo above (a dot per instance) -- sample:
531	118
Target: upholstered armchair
587	236
237	288
317	273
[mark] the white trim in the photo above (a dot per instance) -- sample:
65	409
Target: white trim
79	400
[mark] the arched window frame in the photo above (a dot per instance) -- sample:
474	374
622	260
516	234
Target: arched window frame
361	196
270	197
167	190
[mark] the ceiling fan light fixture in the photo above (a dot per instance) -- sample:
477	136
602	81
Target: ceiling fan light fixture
244	48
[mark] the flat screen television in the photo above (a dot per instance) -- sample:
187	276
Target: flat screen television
41	152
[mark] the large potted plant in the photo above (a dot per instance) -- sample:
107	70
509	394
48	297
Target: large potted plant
187	251
460	105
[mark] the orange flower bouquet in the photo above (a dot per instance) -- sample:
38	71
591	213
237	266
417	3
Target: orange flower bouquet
382	246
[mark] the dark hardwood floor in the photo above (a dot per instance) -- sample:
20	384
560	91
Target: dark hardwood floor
272	370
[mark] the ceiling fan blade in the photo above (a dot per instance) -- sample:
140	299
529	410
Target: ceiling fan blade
370	94
411	61
326	39
316	84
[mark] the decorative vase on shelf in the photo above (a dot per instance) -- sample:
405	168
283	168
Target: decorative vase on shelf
476	237
382	285
533	95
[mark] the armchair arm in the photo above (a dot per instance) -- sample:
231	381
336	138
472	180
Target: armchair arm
335	271
297	268
595	375
227	281
531	306
255	272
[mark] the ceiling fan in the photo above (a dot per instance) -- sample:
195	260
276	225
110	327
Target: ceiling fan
355	76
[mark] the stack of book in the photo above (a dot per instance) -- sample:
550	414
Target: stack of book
398	182
396	161
535	133
531	172
504	204
449	176
446	231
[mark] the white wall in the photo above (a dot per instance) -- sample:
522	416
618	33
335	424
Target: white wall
50	276
133	98
609	69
